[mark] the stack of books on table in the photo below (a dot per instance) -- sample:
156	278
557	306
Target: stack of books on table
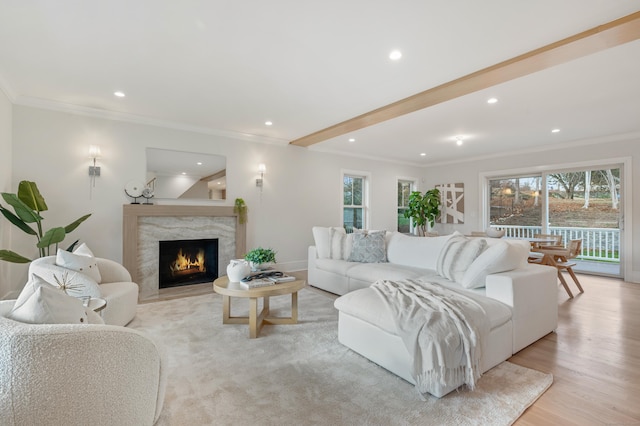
265	279
258	282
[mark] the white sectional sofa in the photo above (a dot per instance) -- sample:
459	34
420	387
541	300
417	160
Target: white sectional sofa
519	299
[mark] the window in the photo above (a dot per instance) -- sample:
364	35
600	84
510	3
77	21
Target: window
405	187
354	204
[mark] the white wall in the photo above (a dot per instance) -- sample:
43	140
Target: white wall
5	185
302	188
470	172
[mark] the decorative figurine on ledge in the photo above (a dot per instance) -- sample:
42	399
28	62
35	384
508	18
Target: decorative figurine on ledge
147	193
134	189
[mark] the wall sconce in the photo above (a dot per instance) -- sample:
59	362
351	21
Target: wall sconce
261	169
94	154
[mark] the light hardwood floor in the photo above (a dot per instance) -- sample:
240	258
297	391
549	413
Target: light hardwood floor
594	355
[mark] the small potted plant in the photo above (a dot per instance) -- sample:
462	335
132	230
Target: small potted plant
261	258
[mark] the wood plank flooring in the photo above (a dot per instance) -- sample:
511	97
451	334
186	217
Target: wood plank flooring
594	355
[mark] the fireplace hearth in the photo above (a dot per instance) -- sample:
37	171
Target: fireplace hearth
184	262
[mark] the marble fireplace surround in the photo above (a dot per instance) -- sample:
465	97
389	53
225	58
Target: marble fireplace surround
144	226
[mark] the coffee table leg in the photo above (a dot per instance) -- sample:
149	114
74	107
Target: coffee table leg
253	317
226	309
294	306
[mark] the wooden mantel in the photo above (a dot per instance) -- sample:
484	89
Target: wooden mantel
131	213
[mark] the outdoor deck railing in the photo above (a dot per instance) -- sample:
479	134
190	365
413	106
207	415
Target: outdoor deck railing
597	243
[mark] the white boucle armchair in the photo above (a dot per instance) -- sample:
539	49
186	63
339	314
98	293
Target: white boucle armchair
59	374
116	287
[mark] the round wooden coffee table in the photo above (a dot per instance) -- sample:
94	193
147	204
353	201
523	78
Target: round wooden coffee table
257	320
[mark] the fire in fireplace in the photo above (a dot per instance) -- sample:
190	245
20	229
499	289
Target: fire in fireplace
183	262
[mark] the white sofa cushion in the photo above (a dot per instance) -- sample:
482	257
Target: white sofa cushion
457	255
47	305
500	256
80	263
367	305
372	272
419	252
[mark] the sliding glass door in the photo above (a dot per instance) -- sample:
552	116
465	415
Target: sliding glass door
583	204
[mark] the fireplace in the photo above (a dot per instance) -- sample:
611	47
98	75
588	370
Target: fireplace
183	262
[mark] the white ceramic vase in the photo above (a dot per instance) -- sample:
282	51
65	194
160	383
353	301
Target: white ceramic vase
237	269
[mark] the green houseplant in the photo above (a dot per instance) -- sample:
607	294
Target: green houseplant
240	208
27	204
260	257
423	209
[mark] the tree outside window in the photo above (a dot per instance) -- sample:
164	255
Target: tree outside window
353	202
404	191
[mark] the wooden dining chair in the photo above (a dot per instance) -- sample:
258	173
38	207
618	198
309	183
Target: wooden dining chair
560	258
556	237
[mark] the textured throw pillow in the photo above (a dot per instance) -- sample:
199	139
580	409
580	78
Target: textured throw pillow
84	264
338	238
500	257
457	255
29	288
47	305
368	247
322	240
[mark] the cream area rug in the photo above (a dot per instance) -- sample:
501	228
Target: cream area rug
301	375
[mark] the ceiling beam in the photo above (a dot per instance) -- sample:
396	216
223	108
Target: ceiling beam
600	38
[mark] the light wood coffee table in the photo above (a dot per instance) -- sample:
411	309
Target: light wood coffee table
257	320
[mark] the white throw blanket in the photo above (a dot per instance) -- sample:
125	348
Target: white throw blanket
442	329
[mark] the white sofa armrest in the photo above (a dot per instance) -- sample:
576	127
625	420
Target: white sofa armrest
74	374
532	293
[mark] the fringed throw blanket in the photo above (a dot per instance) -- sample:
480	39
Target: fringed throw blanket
442	330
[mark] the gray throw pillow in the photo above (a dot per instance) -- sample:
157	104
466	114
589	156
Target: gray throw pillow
457	255
368	247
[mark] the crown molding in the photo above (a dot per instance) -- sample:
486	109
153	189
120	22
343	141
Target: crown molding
534	150
6	88
139	119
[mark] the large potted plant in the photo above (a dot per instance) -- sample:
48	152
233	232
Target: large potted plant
423	209
27	204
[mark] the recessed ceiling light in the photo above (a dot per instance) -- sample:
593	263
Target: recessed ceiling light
268	123
492	100
199	163
352	140
459	139
395	55
555	131
184	173
119	94
422	154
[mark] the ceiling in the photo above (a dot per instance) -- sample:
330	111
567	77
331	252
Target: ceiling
227	67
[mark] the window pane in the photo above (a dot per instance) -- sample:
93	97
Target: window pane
403	222
516	201
404	190
357	191
352	218
348	191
